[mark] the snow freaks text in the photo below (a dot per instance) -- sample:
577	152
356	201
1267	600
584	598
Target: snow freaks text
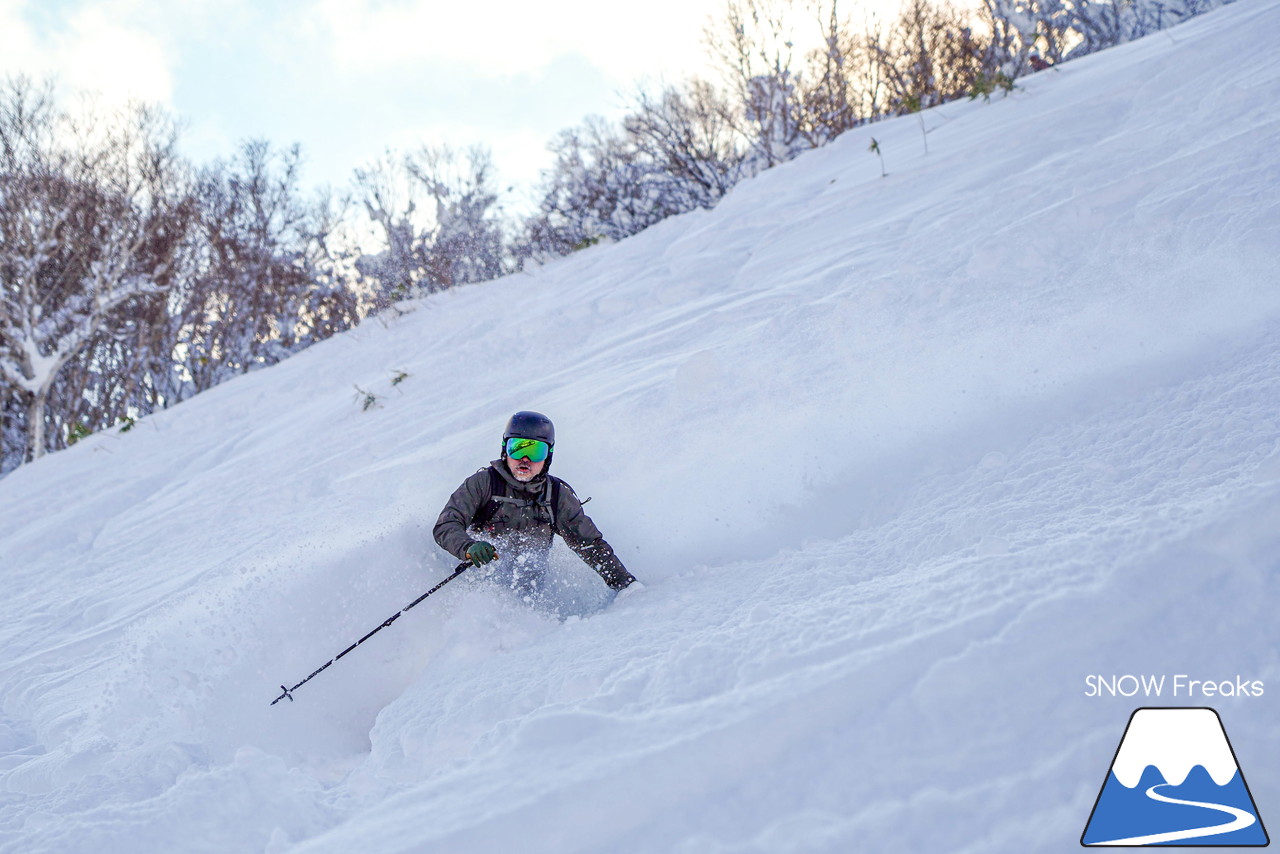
1177	686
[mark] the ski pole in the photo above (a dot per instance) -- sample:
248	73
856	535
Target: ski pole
288	692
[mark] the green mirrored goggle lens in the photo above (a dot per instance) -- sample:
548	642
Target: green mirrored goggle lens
534	450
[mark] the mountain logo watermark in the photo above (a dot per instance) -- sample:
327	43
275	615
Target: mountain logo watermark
1175	781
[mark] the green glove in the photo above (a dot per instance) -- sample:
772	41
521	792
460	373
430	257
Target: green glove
481	553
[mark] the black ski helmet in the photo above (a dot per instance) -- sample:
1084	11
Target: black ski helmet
530	425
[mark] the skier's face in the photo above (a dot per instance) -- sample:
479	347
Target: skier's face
525	469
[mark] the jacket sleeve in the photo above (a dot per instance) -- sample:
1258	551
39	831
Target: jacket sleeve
586	541
451	526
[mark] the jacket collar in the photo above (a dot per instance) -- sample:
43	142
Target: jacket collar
534	486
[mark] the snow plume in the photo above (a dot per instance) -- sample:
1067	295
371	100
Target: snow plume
899	460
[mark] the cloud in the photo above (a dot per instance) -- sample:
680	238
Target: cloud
505	37
120	61
20	50
348	78
91	48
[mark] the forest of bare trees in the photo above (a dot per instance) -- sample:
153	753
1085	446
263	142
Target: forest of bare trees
131	279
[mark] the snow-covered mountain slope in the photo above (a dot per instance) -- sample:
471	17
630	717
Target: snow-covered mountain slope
901	461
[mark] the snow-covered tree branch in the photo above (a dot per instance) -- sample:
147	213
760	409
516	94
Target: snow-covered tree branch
440	219
86	230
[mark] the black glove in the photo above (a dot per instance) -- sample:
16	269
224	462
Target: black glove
481	553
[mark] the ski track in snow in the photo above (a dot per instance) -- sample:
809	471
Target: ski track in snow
903	465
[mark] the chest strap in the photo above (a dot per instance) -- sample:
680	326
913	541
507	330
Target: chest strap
548	498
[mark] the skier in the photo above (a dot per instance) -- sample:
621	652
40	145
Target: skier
515	509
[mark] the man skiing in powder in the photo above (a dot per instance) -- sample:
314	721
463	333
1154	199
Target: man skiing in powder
515	509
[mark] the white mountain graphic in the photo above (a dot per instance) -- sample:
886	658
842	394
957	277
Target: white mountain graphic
1154	795
1174	741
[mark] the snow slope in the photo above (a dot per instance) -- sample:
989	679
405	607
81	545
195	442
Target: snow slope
901	462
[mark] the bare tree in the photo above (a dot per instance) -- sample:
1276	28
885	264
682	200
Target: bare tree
929	56
687	135
466	241
335	298
13	428
1025	34
89	226
829	102
755	50
267	283
1039	33
392	201
440	218
601	187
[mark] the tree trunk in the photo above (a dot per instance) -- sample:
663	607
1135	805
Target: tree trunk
35	423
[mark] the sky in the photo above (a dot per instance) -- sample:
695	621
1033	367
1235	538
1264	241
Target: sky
348	79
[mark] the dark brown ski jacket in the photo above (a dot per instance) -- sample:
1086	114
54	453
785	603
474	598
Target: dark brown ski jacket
492	505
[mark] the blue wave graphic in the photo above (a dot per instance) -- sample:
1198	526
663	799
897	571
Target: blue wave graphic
1125	813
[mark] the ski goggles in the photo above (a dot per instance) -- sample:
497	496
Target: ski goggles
533	450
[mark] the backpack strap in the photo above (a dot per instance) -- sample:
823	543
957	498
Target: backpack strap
550	499
553	496
497	491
